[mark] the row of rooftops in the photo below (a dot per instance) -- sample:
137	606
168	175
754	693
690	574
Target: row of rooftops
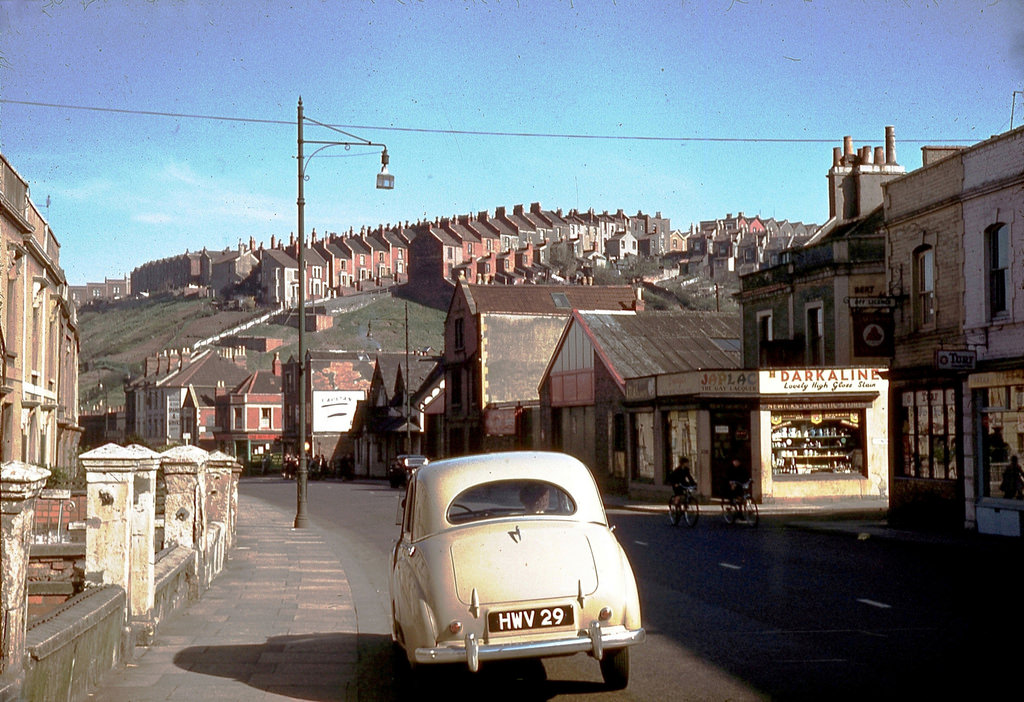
511	230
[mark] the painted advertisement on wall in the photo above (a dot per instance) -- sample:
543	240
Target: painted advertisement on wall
333	410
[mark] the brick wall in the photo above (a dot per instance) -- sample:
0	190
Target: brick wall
56	572
49	512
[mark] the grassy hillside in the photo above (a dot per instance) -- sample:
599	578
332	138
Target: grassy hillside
116	337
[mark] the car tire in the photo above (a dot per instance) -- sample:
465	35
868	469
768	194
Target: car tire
615	668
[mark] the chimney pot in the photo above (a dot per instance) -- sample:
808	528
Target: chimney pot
890	146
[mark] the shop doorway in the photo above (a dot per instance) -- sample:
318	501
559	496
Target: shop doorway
730	438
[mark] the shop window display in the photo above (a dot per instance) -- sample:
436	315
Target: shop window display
1002	435
810	442
928	434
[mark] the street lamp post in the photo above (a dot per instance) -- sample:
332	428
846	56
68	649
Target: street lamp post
385	181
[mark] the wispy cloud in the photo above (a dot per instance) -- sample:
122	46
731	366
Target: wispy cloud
178	195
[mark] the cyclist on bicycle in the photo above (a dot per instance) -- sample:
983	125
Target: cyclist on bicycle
681	477
737	475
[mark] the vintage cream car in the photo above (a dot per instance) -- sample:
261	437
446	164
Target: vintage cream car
510	555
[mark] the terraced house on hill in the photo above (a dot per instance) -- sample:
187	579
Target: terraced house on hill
38	336
432	255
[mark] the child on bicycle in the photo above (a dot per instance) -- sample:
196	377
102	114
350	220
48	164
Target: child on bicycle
737	477
681	477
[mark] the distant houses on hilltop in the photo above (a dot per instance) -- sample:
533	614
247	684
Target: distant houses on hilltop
521	245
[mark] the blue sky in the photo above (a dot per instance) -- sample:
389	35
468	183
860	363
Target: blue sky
694	109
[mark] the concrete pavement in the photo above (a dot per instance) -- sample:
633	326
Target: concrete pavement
278	623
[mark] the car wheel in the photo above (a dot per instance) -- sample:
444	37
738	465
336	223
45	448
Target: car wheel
615	668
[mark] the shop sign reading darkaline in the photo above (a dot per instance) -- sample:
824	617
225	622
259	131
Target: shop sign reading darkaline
822	380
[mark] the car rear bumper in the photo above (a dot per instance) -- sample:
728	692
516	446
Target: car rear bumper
471	652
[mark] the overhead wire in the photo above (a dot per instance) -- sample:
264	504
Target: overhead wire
465	132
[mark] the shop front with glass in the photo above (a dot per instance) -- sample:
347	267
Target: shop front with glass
998	421
811	442
704	416
823	433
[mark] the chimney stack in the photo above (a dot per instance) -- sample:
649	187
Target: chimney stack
638	303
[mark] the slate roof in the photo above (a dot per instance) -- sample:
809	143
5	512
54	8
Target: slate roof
358	245
206	371
281	258
655	342
443	235
547	299
312	257
461	230
867	224
262	382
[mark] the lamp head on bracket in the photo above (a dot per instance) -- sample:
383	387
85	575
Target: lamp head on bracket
385	181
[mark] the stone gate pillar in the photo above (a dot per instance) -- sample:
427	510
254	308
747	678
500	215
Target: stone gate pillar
236	474
219	490
121	525
20	485
184	507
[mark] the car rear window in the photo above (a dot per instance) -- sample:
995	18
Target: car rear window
509	498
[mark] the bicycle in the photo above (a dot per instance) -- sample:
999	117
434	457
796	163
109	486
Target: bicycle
684	506
740	507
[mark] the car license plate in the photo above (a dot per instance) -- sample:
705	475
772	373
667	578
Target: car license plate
524	619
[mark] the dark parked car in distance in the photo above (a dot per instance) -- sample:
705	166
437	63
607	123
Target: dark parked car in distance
403	466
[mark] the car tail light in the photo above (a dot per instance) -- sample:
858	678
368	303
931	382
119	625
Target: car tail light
455	627
605	614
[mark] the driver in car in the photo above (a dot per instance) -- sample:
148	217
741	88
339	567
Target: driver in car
535	498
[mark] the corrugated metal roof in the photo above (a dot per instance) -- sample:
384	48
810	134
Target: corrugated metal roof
547	299
654	342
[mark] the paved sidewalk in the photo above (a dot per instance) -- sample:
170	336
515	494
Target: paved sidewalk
278	623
